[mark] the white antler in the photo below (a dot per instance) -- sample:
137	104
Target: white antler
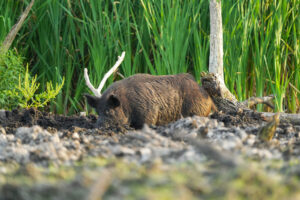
97	92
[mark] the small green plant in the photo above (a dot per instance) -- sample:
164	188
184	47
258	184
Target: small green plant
11	68
25	92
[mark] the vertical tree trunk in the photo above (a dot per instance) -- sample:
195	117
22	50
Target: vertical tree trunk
216	39
216	49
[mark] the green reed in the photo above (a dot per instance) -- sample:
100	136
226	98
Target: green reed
61	38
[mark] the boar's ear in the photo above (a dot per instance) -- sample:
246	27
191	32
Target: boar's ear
92	100
113	101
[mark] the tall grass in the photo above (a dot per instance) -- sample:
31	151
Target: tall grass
9	13
261	43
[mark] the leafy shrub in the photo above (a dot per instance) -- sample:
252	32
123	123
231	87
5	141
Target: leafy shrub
11	69
18	88
25	92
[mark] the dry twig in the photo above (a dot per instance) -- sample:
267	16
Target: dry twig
97	92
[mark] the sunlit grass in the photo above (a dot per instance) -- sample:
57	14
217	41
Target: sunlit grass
60	38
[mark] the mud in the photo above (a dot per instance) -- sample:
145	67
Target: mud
58	138
226	141
11	120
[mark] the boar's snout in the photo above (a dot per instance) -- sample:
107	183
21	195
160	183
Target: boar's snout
109	109
103	122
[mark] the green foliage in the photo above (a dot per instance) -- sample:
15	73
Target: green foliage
25	92
9	14
11	68
261	43
262	50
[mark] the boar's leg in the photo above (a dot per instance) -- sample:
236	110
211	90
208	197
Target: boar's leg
141	117
137	120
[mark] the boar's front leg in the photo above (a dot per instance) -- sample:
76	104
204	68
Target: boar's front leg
144	116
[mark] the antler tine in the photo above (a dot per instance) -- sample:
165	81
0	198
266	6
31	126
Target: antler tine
97	92
88	83
111	71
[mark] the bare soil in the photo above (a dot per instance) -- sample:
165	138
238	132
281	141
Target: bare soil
222	148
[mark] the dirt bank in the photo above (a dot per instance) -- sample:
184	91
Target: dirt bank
222	141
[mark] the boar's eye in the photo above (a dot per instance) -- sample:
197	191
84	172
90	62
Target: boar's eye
113	101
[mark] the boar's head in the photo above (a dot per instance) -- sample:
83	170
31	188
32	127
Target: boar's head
109	108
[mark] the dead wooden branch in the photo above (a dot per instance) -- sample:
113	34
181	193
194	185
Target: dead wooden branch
227	103
259	100
15	29
97	92
284	117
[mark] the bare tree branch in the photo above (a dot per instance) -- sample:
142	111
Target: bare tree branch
258	100
97	92
15	29
285	117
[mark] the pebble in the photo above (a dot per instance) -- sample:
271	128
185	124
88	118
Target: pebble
2	131
145	154
121	151
75	136
3	140
82	114
250	140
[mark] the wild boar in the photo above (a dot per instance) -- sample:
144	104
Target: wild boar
147	99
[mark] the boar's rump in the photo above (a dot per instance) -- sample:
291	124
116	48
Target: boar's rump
156	100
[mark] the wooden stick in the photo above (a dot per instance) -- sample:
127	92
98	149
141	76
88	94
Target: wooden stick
258	100
97	92
15	29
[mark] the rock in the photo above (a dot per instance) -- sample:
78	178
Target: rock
250	140
145	154
10	138
3	140
191	135
2	131
75	136
122	151
82	114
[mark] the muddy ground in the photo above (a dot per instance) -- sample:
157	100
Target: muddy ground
45	156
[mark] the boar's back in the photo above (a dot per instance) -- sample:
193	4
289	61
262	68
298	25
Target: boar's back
159	100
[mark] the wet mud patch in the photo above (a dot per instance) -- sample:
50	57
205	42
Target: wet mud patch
11	120
30	117
18	118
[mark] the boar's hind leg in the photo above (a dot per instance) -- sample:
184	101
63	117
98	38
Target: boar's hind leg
200	107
